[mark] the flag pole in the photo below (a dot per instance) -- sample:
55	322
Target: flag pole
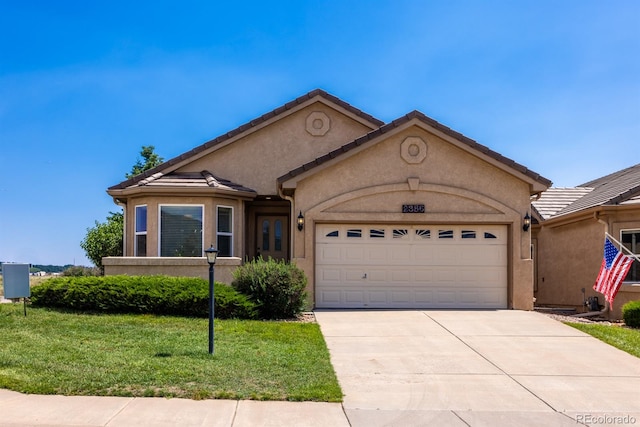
631	254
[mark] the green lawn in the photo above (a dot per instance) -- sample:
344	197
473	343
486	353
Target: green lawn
51	352
625	339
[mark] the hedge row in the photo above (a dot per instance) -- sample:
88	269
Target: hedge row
182	296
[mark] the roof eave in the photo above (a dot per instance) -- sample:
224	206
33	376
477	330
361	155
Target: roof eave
178	190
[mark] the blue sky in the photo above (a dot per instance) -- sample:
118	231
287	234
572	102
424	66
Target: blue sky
554	85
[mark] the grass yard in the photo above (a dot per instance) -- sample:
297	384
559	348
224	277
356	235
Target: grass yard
51	352
626	339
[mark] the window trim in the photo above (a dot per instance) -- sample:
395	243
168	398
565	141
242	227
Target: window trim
632	230
225	233
137	233
160	206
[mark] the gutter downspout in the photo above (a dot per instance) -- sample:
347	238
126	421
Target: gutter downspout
596	216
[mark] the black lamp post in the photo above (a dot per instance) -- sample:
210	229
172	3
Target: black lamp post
211	254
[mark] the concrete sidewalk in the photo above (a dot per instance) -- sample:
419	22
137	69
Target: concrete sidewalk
477	368
35	410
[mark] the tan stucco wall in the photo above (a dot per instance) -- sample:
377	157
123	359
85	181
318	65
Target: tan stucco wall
455	186
179	267
569	255
256	160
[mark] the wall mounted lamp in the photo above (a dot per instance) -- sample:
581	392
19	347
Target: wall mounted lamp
300	221
526	222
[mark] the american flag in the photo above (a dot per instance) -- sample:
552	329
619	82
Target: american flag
615	267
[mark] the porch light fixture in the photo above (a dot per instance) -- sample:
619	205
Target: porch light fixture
300	221
212	254
526	222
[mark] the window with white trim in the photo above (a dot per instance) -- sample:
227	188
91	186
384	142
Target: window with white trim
631	240
140	244
224	231
180	232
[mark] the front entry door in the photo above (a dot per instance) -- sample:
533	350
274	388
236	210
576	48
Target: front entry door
272	236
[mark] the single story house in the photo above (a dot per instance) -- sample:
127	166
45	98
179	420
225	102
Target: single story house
406	214
568	238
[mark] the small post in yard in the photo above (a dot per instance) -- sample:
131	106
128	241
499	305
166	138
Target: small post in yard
211	254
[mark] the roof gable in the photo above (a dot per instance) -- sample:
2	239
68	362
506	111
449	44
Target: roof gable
253	125
540	183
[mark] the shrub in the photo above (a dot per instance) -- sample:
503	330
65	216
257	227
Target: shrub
164	295
277	287
631	314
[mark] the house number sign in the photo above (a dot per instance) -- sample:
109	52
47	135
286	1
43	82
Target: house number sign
413	209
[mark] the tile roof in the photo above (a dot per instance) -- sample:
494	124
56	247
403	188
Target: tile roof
556	199
621	187
612	189
204	179
245	127
429	121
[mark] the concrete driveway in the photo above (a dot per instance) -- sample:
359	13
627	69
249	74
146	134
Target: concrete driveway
477	368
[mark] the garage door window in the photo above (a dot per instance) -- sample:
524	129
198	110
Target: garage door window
445	234
376	233
334	233
400	233
354	233
425	234
468	234
489	235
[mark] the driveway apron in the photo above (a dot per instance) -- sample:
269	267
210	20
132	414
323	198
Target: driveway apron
476	368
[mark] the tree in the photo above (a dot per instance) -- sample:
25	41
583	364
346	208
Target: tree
151	160
105	239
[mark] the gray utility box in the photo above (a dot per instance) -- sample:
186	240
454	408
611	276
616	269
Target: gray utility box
16	280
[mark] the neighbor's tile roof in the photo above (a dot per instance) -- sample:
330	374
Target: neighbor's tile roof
556	199
621	187
245	127
429	121
204	179
613	189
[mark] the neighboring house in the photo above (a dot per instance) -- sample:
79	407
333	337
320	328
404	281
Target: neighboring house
405	214
569	237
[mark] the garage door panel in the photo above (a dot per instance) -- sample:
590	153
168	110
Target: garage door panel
403	276
331	275
411	266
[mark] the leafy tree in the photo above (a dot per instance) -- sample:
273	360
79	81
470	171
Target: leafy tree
151	160
105	239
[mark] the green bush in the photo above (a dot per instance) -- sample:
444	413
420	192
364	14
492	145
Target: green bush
276	287
164	295
631	314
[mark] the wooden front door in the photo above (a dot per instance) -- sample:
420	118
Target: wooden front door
272	236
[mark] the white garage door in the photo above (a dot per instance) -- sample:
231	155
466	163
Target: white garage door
400	266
